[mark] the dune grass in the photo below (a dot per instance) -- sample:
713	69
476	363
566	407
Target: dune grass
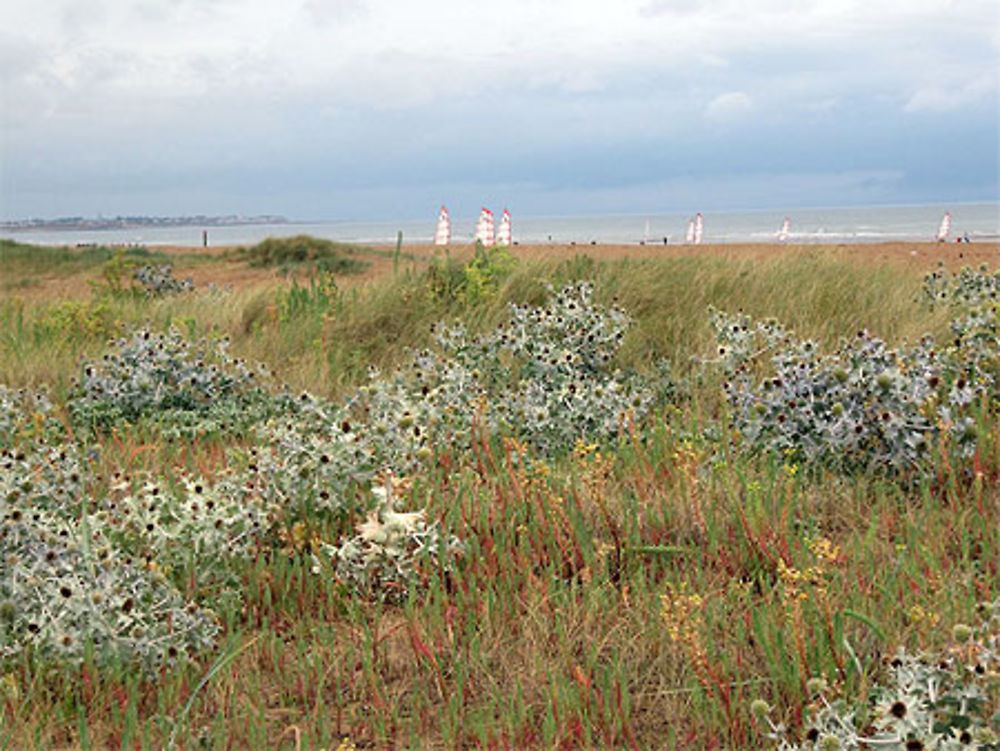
328	342
290	252
636	594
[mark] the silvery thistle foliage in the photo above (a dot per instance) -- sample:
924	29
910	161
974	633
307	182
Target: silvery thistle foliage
403	416
543	376
546	372
195	522
26	415
864	406
937	702
976	351
302	467
159	280
187	387
65	589
969	287
85	573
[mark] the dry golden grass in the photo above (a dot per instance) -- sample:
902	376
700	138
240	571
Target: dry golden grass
214	266
920	256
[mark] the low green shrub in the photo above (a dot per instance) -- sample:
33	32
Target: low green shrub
473	282
73	320
300	250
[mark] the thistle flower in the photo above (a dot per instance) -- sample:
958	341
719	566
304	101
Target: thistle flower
760	708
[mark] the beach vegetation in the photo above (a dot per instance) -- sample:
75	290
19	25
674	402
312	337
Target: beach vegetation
127	274
968	287
473	281
48	260
591	504
304	250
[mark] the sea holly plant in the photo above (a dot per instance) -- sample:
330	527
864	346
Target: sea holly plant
401	417
67	589
61	598
189	387
158	281
191	523
945	701
545	376
866	405
967	288
26	415
305	471
392	553
547	373
43	478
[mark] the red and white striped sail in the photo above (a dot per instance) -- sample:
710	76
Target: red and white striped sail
785	231
945	227
690	233
443	234
699	228
484	227
504	233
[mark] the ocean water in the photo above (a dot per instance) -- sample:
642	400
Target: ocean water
872	224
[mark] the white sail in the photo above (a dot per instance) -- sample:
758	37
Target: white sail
504	233
690	233
443	234
785	231
699	228
484	228
945	227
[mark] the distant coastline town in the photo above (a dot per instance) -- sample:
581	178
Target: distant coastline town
127	222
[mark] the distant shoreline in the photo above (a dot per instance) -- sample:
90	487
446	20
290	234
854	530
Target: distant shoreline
82	224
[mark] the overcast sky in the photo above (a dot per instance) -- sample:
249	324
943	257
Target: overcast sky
385	109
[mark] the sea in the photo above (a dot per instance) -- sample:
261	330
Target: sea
869	224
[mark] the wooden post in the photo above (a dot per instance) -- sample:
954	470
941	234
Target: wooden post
399	247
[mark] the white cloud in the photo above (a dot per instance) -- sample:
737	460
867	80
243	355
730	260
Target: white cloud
729	106
942	98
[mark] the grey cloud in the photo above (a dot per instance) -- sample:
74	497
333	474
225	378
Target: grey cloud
18	56
226	108
77	17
